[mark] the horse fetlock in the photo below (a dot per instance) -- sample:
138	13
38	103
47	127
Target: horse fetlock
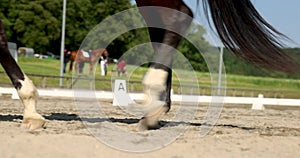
28	94
28	90
152	94
154	84
155	77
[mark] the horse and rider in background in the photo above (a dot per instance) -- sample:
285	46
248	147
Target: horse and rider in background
79	57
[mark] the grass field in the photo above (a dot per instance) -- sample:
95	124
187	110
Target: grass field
51	67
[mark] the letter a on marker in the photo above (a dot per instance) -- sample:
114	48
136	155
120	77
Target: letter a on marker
121	87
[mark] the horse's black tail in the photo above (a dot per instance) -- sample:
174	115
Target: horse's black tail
247	34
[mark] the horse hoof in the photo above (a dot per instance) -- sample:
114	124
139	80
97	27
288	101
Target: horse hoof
148	124
33	123
151	119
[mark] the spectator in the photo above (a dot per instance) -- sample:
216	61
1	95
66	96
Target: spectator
67	55
121	68
103	65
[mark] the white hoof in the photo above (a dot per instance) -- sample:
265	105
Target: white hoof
154	85
33	122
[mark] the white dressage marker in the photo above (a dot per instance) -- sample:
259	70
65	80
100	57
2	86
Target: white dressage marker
121	97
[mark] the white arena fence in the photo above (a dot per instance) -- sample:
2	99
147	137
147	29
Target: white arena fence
175	97
52	82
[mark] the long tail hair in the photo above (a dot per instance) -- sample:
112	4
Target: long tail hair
247	34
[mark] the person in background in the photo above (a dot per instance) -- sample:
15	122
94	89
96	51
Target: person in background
67	55
103	65
121	68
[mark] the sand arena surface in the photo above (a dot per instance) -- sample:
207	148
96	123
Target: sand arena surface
240	132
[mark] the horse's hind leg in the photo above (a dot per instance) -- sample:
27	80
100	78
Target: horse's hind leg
76	65
25	88
164	41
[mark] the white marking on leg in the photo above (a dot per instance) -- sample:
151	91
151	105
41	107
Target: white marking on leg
154	83
29	95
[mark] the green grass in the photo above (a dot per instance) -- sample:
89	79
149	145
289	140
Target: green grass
180	77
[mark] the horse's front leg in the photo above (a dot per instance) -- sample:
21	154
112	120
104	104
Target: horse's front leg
168	90
164	41
25	88
29	95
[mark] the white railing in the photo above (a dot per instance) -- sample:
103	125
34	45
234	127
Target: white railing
174	98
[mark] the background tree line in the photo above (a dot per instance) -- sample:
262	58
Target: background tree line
37	24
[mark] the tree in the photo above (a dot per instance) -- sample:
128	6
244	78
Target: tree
194	53
37	23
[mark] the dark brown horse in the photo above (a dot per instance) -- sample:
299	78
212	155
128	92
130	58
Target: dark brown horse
90	57
238	24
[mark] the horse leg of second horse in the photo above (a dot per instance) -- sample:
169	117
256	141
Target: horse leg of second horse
154	85
163	41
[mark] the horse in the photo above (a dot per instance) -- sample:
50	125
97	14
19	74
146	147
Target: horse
92	57
238	24
72	59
